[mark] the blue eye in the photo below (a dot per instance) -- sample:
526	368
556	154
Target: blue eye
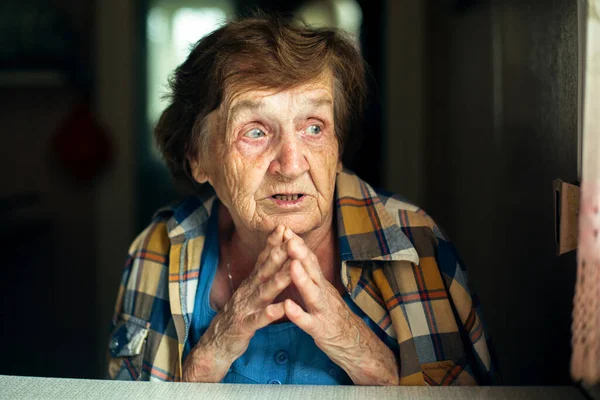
255	133
313	129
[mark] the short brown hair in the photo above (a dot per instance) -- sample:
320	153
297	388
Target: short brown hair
264	52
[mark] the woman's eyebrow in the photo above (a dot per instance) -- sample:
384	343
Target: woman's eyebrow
315	104
253	105
318	102
243	106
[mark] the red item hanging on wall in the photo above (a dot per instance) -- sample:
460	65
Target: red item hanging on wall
81	145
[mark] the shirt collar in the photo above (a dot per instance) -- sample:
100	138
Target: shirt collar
366	230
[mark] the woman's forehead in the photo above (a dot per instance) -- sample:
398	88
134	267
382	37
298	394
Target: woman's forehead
314	92
260	101
308	94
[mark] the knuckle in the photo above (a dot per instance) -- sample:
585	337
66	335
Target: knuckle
262	257
263	293
273	240
276	257
273	256
281	280
262	275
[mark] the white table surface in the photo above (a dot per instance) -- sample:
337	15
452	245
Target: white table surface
17	387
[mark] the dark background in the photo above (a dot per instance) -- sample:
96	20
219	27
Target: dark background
473	113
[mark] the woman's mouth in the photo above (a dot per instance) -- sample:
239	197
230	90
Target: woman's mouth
288	199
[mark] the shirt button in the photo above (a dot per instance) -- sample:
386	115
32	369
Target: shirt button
281	357
333	372
274	382
114	347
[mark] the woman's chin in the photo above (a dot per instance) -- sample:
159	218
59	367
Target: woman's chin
300	223
301	219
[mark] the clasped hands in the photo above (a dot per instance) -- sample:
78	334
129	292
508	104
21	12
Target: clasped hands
336	330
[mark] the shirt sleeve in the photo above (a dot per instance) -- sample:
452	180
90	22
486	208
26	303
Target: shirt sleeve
467	311
130	328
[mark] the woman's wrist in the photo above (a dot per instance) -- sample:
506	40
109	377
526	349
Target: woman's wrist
209	360
367	360
203	365
375	371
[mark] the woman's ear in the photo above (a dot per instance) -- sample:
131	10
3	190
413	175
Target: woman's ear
198	173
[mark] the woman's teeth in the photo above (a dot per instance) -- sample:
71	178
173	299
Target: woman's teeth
290	197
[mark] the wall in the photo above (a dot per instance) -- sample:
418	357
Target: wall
114	212
65	254
405	51
501	122
48	256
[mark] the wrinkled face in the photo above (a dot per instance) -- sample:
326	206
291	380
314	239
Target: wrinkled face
273	158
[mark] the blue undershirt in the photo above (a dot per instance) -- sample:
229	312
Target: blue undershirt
278	353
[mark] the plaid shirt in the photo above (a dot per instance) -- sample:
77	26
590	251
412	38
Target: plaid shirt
397	266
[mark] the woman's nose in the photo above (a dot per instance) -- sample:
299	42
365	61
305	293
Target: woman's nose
290	159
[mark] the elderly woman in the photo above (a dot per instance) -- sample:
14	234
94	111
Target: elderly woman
283	267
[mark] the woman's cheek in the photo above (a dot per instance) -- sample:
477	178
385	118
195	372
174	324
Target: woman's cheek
245	173
325	151
252	159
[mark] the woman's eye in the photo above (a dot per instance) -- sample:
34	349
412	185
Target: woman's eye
254	133
313	130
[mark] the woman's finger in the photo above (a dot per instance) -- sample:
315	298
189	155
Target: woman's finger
288	234
275	260
310	292
267	315
298	316
275	239
269	290
297	249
